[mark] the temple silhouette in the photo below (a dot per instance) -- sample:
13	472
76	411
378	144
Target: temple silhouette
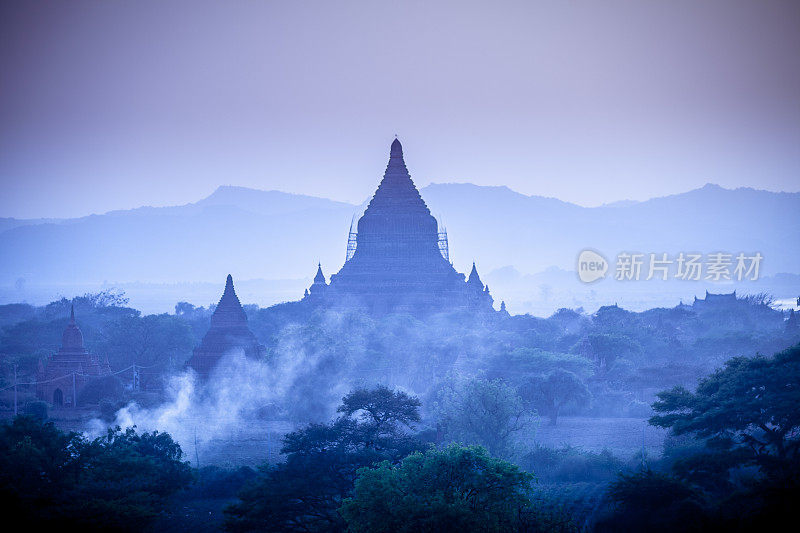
62	379
397	262
228	333
397	259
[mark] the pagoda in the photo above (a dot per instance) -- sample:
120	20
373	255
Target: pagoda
395	260
228	333
61	380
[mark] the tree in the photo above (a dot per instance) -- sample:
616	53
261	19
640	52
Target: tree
304	492
549	394
160	341
521	363
607	347
37	463
184	308
748	411
381	407
485	412
455	489
117	482
649	501
107	298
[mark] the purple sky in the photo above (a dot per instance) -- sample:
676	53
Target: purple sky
109	105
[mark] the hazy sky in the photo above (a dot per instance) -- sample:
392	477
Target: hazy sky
112	104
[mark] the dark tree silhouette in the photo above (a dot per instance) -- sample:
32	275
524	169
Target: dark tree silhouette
549	394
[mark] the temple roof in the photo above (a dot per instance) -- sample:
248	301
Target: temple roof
229	310
396	190
474	278
72	338
320	277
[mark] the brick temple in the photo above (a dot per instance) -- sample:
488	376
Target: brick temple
228	333
62	379
397	260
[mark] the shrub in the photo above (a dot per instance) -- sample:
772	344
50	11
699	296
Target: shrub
37	409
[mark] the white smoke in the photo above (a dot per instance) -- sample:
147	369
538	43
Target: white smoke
240	413
231	410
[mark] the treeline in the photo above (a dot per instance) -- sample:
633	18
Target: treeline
611	363
735	462
732	463
118	482
30	335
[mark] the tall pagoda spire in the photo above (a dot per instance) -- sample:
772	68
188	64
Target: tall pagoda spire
396	191
229	311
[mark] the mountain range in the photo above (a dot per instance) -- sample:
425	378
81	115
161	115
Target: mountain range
257	234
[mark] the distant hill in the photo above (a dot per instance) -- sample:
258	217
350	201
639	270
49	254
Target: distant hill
247	232
498	227
274	235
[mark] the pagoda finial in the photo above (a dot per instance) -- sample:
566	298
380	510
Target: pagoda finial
320	277
396	149
72	313
474	278
229	293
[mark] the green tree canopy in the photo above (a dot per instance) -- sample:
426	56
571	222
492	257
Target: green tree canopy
455	489
650	501
748	410
304	492
485	412
117	482
549	394
160	341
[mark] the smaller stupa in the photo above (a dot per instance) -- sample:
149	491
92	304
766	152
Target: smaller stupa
228	332
320	286
61	380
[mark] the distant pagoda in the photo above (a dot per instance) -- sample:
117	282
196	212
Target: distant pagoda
228	332
64	376
396	261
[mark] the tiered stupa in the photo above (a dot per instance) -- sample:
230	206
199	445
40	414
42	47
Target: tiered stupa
228	333
65	375
397	264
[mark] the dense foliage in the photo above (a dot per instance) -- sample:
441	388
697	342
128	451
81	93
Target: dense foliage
731	457
120	481
740	470
304	492
623	358
747	411
453	489
549	394
477	411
